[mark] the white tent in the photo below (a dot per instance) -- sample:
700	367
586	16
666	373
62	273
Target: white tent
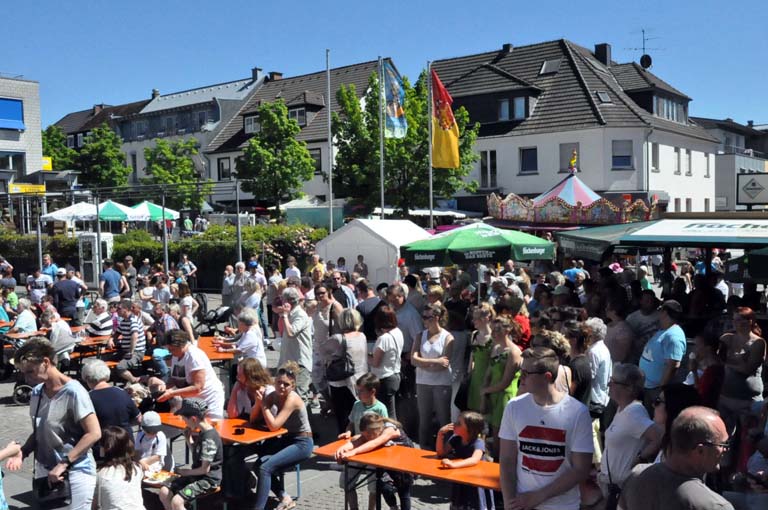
82	211
378	241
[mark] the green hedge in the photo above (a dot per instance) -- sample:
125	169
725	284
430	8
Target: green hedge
210	251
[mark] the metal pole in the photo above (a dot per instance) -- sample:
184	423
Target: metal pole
382	100
165	235
98	240
39	238
330	138
237	223
429	123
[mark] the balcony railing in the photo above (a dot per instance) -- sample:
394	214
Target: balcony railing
741	151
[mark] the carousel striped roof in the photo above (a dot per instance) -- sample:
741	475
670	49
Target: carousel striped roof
570	190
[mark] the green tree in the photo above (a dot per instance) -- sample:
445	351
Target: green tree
101	162
55	147
274	164
172	164
406	176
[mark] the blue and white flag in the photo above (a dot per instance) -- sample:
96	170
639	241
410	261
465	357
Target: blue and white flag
395	125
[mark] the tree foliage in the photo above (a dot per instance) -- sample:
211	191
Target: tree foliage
406	176
171	163
101	162
275	165
55	147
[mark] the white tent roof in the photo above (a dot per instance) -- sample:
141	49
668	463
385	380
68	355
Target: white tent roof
395	232
82	211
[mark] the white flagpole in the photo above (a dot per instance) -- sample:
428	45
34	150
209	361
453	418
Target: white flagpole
382	101
330	138
429	120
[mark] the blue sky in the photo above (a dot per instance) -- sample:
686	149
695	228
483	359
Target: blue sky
85	52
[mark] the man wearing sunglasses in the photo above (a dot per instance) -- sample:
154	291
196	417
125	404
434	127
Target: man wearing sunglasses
698	440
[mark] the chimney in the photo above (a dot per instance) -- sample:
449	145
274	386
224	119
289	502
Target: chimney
97	109
275	75
751	123
603	53
506	48
155	93
255	73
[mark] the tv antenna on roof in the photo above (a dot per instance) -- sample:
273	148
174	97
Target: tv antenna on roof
645	60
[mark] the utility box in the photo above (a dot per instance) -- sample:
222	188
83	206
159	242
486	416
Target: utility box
90	265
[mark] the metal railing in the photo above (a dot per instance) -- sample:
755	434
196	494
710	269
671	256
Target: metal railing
741	151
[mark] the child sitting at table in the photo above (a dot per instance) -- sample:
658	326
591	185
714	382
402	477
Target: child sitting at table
367	386
152	450
377	431
461	445
207	456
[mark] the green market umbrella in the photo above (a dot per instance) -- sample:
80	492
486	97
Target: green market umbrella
478	242
112	211
155	212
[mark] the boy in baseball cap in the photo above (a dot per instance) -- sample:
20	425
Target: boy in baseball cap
152	445
207	456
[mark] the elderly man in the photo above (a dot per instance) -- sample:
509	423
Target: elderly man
297	339
99	320
697	441
26	322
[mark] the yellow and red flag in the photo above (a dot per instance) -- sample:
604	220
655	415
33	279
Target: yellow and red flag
445	131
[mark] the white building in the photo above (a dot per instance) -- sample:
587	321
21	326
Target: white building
21	145
537	104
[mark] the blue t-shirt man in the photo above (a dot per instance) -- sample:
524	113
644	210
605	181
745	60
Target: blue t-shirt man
572	272
111	283
665	344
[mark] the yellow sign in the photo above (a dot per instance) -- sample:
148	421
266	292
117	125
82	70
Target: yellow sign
47	163
26	188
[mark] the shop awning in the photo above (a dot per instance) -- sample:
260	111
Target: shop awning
592	243
700	233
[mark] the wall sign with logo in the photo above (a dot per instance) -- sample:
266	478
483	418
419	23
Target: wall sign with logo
752	189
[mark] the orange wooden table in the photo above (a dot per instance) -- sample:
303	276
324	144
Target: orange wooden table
227	428
21	336
205	344
418	462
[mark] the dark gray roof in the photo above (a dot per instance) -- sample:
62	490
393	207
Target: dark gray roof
307	89
78	122
74	122
565	100
727	125
632	77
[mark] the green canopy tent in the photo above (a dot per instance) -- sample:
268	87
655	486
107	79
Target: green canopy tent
475	243
594	243
752	266
155	212
112	211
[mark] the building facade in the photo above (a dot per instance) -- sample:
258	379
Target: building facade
537	104
21	145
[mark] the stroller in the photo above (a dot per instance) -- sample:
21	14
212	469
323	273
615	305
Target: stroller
212	319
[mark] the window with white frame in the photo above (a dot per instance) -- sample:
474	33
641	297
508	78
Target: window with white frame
688	162
80	139
706	167
566	153
299	115
504	109
677	160
488	175
317	155
71	141
621	156
252	125
225	169
519	108
529	160
655	157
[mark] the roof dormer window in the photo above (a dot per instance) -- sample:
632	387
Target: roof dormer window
251	124
299	115
550	66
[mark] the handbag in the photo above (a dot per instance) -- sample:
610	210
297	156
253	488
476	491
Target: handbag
614	491
462	395
46	493
342	367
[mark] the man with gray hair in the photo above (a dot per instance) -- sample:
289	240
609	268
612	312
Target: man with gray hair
297	339
99	320
26	322
600	364
698	439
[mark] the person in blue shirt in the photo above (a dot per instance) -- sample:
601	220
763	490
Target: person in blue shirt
49	267
664	351
571	272
110	282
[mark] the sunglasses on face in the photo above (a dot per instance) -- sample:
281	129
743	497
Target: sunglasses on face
320	293
525	373
724	446
427	317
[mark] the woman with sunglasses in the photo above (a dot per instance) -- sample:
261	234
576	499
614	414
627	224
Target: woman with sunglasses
283	408
431	356
503	373
668	405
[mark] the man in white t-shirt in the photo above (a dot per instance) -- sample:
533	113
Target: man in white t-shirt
546	440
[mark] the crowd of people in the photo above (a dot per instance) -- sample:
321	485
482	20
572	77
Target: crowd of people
582	384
